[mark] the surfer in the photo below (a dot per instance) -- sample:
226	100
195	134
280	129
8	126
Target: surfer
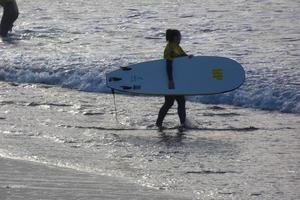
172	51
10	15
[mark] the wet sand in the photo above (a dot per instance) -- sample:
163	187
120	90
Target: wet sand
29	180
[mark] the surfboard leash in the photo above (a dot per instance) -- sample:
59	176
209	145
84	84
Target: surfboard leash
115	105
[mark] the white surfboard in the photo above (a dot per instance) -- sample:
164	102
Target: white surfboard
199	75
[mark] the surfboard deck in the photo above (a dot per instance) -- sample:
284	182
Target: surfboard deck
199	75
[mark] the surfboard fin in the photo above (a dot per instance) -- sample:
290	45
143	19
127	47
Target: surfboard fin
126	68
126	87
114	79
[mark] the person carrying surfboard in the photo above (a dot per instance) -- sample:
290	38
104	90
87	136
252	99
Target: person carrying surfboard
172	51
10	15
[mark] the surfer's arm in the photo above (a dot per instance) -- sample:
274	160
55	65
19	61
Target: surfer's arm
170	74
170	70
183	54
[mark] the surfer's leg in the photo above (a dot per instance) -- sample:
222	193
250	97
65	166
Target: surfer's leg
181	109
10	14
169	101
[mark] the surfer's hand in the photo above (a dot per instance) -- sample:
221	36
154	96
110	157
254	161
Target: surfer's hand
171	85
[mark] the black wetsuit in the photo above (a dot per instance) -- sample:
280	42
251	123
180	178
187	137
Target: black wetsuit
169	101
172	51
10	14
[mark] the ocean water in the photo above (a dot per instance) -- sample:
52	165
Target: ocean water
74	43
55	110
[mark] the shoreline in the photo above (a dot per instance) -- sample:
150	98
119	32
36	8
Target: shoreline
29	180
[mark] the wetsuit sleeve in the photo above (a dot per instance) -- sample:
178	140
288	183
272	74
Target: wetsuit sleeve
182	53
169	56
170	69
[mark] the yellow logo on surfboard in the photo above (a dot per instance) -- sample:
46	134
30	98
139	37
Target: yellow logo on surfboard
217	74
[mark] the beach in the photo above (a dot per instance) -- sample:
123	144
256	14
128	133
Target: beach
229	153
30	180
63	137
